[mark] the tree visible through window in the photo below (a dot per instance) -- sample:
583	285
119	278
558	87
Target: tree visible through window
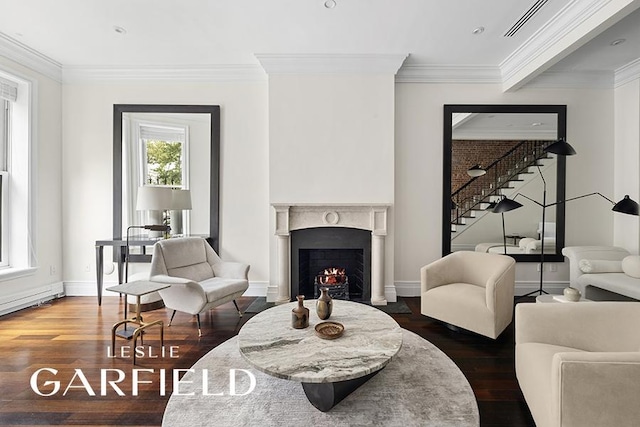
164	163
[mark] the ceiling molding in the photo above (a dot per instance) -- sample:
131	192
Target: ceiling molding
422	73
192	73
30	58
330	63
572	79
627	73
543	47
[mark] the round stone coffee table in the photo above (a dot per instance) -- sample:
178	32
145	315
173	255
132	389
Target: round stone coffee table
329	370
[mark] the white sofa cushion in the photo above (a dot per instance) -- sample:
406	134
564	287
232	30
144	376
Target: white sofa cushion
631	266
600	266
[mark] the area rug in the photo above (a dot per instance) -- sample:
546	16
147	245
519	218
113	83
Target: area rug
421	386
399	307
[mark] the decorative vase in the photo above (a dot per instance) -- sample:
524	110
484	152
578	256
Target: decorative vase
324	304
300	314
572	294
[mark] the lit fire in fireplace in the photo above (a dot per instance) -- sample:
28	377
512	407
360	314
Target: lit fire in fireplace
332	276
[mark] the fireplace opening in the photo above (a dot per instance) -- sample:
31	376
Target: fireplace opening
334	257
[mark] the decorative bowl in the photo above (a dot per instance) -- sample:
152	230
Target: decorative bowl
329	330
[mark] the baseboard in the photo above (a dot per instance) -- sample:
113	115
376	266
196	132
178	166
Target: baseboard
29	298
87	289
257	289
412	289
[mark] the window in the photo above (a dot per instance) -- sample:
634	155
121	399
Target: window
8	93
163	153
17	240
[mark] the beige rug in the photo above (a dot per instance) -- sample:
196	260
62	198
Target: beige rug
421	386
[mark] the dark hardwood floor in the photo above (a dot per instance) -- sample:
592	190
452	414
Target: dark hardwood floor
72	336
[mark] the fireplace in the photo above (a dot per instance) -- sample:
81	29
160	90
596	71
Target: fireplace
314	250
368	220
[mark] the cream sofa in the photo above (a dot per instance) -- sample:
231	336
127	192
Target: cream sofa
578	364
470	290
611	279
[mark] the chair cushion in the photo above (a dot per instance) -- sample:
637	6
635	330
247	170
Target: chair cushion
217	288
460	304
184	252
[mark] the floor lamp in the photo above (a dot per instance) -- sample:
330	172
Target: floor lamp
505	205
561	148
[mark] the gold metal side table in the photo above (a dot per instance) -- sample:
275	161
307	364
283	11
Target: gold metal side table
137	288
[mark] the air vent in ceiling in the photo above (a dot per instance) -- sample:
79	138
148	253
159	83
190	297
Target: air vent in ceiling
525	18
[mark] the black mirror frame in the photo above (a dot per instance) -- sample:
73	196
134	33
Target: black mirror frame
214	161
449	110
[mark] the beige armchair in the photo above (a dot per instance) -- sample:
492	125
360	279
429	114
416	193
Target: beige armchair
578	364
199	279
470	290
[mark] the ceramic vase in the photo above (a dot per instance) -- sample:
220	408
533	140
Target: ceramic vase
300	314
324	304
572	294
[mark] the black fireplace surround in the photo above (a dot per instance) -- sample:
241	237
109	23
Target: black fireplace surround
314	249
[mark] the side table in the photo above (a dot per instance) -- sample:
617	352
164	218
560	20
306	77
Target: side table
137	288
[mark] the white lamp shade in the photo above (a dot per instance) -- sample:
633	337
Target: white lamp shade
181	199
153	198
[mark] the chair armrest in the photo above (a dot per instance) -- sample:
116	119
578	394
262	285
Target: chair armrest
591	326
596	389
436	274
231	270
499	290
170	280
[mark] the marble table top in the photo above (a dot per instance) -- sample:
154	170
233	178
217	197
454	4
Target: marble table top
371	338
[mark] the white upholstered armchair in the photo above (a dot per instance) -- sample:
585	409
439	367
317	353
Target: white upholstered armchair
578	364
470	290
199	279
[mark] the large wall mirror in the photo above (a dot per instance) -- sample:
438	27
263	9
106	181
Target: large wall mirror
175	147
497	151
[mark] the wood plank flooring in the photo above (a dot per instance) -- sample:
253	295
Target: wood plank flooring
73	333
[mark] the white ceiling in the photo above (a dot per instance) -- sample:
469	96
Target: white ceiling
196	33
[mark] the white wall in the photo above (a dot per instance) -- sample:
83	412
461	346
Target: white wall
331	140
418	179
87	174
627	161
47	149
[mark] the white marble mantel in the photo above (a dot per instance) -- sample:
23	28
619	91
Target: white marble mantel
298	216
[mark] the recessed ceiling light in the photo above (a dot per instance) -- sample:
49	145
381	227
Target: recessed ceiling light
616	42
478	30
330	4
119	30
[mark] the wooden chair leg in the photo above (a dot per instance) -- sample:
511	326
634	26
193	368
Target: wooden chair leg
236	304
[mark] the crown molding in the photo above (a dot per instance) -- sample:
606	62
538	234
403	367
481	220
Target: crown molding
423	73
30	58
191	73
572	79
568	19
330	63
627	73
